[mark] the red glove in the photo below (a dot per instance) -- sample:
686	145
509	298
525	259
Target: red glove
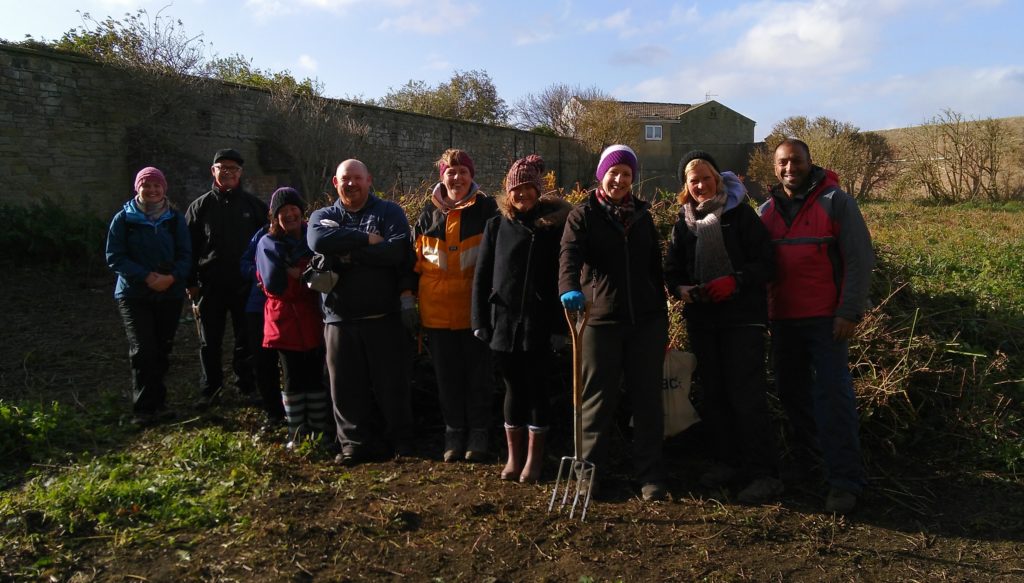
721	288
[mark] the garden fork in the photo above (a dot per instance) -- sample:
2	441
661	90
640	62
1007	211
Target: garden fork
575	474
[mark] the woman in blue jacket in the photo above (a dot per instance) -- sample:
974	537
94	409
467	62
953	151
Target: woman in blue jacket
149	249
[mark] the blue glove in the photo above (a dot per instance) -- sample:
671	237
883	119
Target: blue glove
573	301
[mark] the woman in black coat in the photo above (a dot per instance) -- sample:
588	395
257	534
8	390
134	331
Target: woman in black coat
719	262
516	308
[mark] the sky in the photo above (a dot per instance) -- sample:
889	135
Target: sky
877	64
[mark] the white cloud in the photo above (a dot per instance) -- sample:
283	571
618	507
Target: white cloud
533	38
647	55
266	9
307	63
679	15
982	92
432	19
618	22
806	35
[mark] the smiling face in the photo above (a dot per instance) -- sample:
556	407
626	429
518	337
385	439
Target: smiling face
792	167
152	191
701	182
227	174
617	181
523	197
352	181
290	219
457	179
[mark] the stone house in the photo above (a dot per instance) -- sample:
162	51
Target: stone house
666	131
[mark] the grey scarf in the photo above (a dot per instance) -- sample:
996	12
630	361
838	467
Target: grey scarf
704	221
153	211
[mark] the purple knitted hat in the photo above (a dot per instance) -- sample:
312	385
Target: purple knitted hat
149	173
616	154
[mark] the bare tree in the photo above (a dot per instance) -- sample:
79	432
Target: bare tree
554	107
315	133
601	123
863	160
156	44
955	159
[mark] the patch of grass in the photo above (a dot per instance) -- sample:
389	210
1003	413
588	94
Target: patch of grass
941	345
48	233
970	251
186	480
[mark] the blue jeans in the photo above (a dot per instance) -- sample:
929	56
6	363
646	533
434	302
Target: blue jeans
812	374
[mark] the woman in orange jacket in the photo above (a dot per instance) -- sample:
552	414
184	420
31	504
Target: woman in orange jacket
448	234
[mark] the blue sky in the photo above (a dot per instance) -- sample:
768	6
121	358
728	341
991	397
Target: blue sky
874	63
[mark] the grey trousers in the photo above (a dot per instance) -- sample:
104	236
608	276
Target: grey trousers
630	356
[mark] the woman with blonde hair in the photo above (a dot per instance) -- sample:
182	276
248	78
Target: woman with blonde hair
719	262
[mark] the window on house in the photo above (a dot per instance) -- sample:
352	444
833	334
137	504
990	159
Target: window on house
652	132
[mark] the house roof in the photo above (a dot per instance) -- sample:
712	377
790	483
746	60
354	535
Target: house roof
646	109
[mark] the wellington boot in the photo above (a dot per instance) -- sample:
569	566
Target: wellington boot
516	437
534	456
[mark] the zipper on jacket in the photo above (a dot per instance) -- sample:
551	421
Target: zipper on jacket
526	279
629	280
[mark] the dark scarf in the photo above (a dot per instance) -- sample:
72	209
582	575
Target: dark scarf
704	221
621	211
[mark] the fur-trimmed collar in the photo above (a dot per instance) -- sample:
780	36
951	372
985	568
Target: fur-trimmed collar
552	211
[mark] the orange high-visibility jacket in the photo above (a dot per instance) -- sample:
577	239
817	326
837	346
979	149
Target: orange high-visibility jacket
446	253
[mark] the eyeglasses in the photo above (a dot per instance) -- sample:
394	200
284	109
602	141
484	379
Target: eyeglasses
228	169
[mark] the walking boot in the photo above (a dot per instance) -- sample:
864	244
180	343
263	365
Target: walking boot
516	452
534	455
476	447
454	444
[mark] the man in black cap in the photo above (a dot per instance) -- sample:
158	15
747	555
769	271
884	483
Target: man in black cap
221	222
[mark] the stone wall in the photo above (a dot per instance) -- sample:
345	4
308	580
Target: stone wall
77	131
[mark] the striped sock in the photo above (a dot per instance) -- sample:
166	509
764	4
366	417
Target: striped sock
318	410
294	412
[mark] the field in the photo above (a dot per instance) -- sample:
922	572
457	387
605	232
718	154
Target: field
208	498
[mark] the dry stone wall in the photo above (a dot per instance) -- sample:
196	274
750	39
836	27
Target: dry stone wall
77	131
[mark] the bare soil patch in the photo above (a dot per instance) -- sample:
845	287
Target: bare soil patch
926	517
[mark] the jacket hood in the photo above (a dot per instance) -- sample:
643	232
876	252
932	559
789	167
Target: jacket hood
133	215
552	210
735	191
440	191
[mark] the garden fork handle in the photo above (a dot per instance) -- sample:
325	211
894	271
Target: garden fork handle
577	324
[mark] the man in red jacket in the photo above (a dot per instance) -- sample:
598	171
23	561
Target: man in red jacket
823	260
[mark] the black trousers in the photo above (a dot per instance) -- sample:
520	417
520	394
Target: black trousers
525	375
462	365
367	361
214	308
263	362
150	326
731	374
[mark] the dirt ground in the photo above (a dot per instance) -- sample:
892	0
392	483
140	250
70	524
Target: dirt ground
923	518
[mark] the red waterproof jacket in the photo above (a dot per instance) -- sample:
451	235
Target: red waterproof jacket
292	319
823	254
